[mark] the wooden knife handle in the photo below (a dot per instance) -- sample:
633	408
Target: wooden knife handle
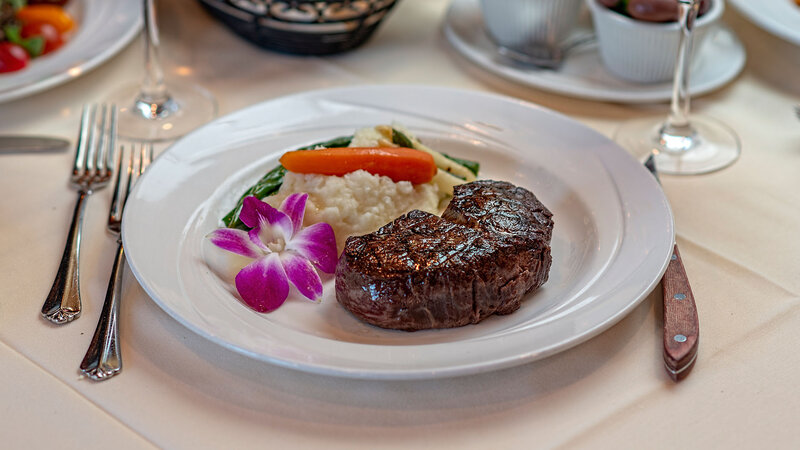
681	326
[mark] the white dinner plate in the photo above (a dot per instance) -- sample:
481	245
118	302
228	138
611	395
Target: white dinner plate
779	17
582	73
612	238
103	28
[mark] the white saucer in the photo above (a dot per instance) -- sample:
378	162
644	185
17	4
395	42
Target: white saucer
582	74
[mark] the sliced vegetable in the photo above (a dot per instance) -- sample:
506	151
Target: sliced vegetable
397	163
399	138
33	45
52	14
12	57
446	182
442	162
16	4
46	32
473	166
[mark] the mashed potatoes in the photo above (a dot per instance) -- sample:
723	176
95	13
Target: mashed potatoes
356	203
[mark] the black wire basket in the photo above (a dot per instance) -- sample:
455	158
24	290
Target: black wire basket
306	27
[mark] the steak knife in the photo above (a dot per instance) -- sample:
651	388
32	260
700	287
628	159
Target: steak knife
681	322
31	144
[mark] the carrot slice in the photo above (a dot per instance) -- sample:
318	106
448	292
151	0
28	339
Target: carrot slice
397	163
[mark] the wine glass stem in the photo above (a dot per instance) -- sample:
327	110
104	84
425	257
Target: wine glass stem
154	90
677	132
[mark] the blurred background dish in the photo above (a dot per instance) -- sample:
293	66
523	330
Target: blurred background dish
779	17
582	73
103	28
306	27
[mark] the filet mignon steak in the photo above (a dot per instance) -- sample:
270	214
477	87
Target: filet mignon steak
489	248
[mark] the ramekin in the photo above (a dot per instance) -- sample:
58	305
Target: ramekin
645	52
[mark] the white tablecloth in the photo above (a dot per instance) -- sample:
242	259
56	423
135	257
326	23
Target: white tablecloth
737	230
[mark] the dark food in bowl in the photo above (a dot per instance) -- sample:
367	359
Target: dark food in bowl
489	248
48	2
306	27
651	10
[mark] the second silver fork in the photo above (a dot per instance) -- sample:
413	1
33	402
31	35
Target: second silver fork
94	158
103	359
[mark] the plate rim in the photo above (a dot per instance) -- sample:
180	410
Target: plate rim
52	80
508	73
410	373
768	22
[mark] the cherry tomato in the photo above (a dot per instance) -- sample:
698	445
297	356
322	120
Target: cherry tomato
52	14
52	38
12	57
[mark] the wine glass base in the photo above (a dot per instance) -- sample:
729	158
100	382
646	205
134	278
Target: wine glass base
712	145
188	106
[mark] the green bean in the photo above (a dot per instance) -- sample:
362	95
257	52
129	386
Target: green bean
473	166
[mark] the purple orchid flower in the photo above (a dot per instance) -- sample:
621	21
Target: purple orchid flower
283	250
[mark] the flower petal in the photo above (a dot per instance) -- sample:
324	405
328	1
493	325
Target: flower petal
302	275
263	284
294	206
235	241
259	214
316	243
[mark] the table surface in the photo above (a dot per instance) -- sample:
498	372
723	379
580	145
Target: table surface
737	230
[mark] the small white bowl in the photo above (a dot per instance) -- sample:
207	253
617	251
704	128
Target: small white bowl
645	52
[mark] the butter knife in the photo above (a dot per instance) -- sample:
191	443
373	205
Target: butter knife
31	144
681	323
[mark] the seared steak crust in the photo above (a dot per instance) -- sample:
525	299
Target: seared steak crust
490	247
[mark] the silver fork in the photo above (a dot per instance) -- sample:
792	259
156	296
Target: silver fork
94	161
103	359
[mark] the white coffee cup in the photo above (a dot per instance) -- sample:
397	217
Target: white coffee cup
538	28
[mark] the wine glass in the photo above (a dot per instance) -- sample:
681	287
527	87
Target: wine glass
681	146
153	111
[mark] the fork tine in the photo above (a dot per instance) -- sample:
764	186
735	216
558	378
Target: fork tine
91	139
115	211
102	140
112	144
131	172
83	136
150	153
147	157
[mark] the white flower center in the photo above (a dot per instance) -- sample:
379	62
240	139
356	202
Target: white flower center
277	246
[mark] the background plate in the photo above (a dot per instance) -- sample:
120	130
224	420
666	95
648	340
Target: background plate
779	17
583	74
613	230
104	27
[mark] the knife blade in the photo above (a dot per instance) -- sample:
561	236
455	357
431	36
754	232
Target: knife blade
31	144
681	322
